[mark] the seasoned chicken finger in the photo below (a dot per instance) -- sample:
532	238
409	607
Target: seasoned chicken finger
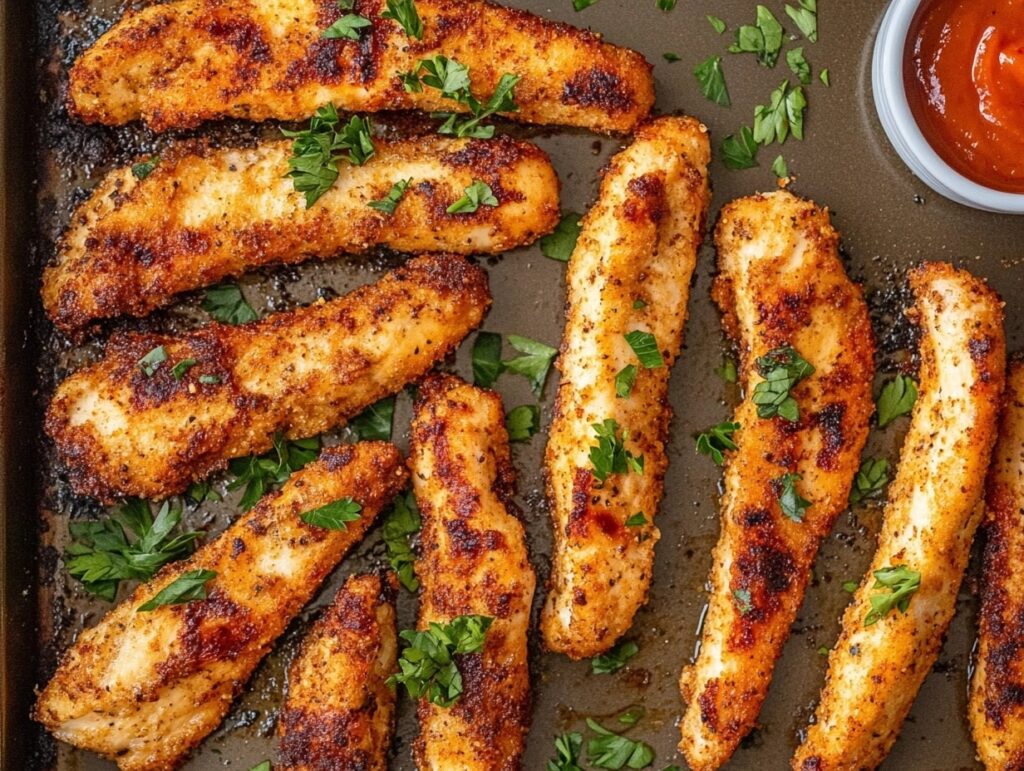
474	562
339	714
202	215
997	705
781	283
136	424
894	627
143	687
179	63
629	275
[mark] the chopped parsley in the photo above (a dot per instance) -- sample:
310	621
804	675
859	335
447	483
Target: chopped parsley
716	23
316	151
427	666
567	753
871	479
793	505
535	362
799	64
610	456
209	379
183	366
151	362
131	544
645	346
897	399
717	440
637	520
375	422
727	371
782	116
764	38
143	169
402	522
896	586
335	515
487	364
225	303
610	750
476	195
185	588
405	13
825	78
625	380
615	659
347	27
666	5
782	369
257	474
560	244
671	57
631	716
779	168
712	81
522	422
390	202
579	5
805	16
744	602
198	492
262	766
739	151
850	586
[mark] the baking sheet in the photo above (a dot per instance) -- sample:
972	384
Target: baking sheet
888	219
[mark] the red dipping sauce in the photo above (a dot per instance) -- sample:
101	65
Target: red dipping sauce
964	75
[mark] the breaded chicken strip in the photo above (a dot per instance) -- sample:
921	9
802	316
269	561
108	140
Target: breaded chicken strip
339	714
997	690
474	562
781	283
179	63
130	425
202	215
145	687
630	274
883	653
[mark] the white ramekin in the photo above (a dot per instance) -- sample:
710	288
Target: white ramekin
902	130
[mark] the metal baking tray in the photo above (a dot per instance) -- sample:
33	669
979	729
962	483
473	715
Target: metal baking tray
889	221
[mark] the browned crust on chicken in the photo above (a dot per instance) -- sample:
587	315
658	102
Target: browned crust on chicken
638	245
781	282
144	688
997	690
179	63
339	714
121	433
473	562
203	215
935	504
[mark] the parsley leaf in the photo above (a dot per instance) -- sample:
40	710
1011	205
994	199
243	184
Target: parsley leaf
579	5
258	473
130	545
727	371
717	23
670	57
567	753
477	194
666	5
226	304
806	18
793	505
451	78
405	13
645	346
522	422
625	380
712	80
487	364
799	64
151	362
897	586
871	479
631	716
346	28
716	440
744	602
401	522
739	151
782	116
316	151
763	39
375	421
560	244
199	492
610	456
825	78
534	364
850	586
637	520
143	169
779	168
334	515
610	750
897	398
389	203
262	766
782	369
615	659
185	588
427	665
183	366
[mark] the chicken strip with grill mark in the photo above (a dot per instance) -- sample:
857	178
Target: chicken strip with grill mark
781	283
473	562
935	504
143	688
127	426
630	273
204	214
997	707
179	63
339	714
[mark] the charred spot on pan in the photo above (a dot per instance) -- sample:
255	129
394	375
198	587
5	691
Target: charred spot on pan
830	421
597	87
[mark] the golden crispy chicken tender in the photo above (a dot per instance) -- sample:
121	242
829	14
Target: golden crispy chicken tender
474	562
179	63
125	427
780	283
143	688
630	273
205	214
876	668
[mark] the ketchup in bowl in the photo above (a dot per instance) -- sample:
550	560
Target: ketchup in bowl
964	78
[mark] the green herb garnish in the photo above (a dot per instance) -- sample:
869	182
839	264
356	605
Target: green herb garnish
625	380
451	78
226	304
871	479
610	456
567	753
718	25
402	522
143	169
405	13
487	364
534	364
151	362
317	150
717	440
335	515
427	666
727	371
375	421
257	474
799	64
806	18
739	151
637	520
615	659
793	505
897	586
712	80
897	398
347	27
183	366
779	168
610	750
560	244
645	346
744	602
782	116
389	203
522	422
764	38
476	195
187	587
782	369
